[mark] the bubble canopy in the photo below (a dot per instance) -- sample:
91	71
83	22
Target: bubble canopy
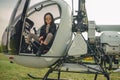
29	14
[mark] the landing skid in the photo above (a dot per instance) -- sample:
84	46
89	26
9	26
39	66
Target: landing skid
58	68
33	77
47	74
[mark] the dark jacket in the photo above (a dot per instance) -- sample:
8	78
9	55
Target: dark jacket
52	30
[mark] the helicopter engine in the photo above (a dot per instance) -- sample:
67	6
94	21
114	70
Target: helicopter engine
106	45
110	43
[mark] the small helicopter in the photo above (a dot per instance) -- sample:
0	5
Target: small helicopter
70	49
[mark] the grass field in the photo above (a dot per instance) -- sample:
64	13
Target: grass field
12	71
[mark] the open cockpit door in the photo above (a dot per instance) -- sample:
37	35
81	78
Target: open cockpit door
15	27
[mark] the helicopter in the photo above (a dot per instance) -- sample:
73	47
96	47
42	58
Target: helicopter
70	49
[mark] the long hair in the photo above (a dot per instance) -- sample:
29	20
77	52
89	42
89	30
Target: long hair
51	18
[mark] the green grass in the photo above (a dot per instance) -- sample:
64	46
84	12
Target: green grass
12	71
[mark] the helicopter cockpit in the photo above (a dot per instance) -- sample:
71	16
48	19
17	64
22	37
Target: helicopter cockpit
34	21
28	16
29	19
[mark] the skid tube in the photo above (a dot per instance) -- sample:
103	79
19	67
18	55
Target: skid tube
57	67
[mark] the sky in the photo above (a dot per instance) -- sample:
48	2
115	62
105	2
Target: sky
101	11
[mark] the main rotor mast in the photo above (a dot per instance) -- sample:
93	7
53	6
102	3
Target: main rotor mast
80	21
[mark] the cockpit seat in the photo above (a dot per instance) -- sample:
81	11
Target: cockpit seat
37	47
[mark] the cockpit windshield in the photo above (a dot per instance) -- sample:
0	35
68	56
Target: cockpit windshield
36	12
19	9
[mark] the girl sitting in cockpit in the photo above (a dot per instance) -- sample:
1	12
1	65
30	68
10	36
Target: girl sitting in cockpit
46	37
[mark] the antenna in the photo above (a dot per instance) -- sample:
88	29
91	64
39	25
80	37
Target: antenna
79	5
72	7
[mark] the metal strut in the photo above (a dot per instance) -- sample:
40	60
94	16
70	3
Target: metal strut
47	74
106	75
55	68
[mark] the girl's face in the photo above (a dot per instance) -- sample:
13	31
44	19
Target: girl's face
48	19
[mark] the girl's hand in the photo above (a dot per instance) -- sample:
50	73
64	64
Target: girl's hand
41	37
41	42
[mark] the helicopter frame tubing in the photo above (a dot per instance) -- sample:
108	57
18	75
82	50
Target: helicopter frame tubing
65	59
